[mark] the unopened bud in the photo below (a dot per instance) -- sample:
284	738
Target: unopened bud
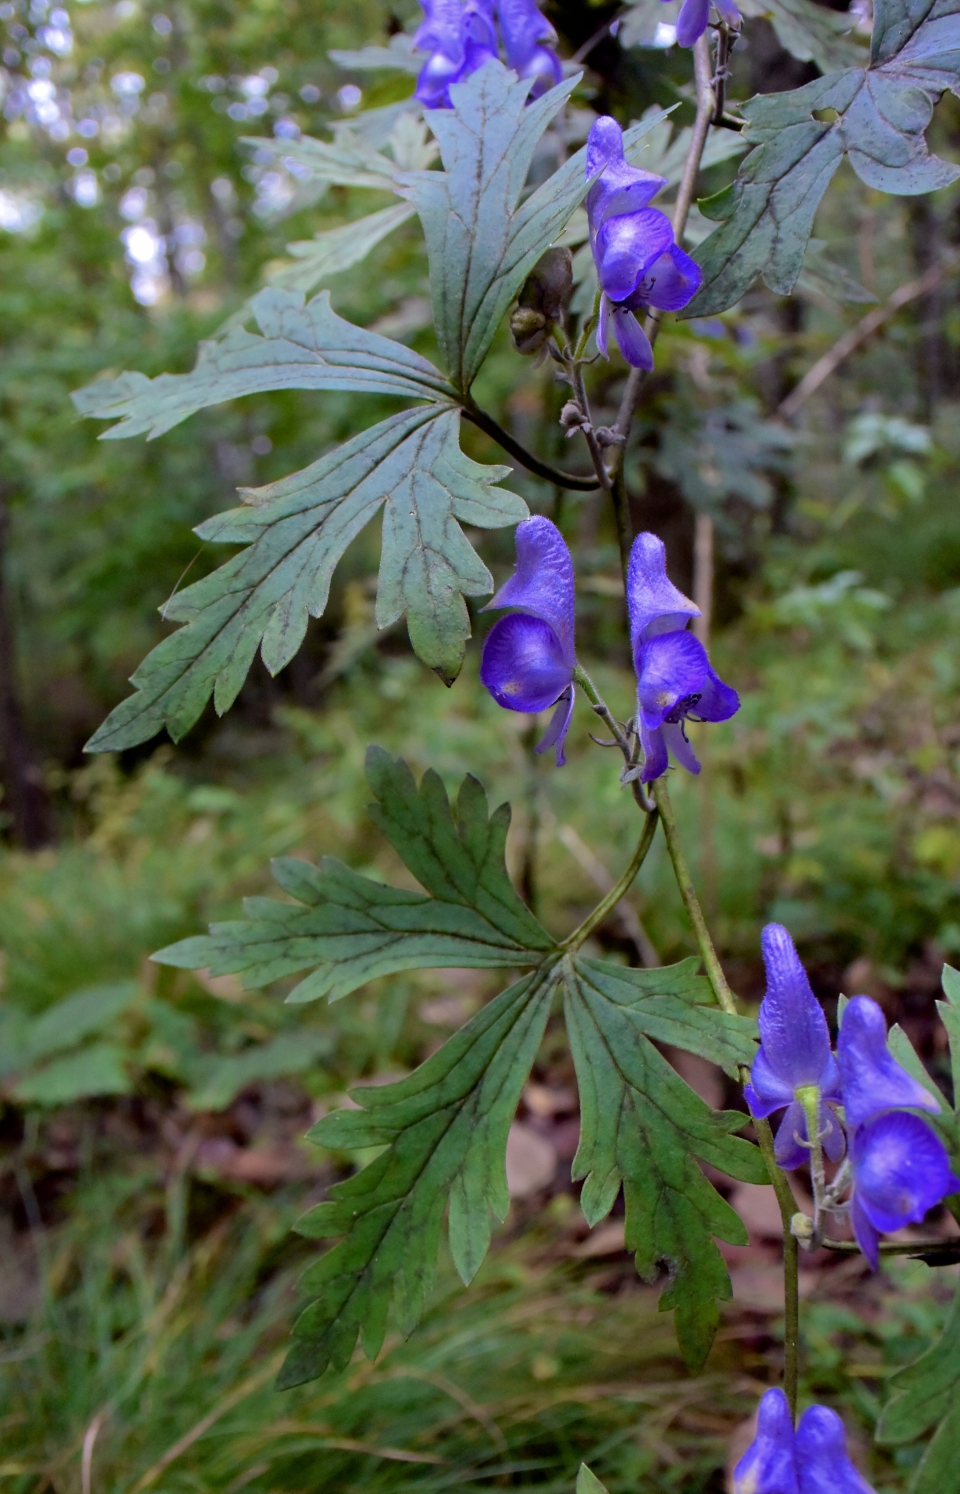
801	1227
544	294
572	416
529	329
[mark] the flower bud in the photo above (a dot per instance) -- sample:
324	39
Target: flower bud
542	299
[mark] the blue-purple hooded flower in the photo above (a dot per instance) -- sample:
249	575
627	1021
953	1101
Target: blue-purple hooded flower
694	15
460	38
638	263
900	1172
811	1460
794	1054
528	40
872	1079
528	657
675	679
769	1466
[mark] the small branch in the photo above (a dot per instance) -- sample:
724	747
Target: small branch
929	1251
627	917
596	455
681	871
603	909
533	464
856	337
791	1260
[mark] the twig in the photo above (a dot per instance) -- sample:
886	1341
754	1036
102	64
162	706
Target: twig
582	53
86	1461
526	458
856	337
626	916
604	908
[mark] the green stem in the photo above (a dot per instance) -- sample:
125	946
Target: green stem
925	1248
791	1264
603	910
533	464
809	1097
691	902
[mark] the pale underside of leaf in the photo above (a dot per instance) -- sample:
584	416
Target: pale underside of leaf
875	117
295	532
300	346
328	253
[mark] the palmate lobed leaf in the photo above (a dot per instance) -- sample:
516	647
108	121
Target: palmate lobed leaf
294	532
810	32
348	929
641	1126
300	346
445	1132
875	116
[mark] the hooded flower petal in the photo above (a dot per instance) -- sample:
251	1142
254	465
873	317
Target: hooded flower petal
670	282
769	1465
627	247
900	1170
523	665
671	668
655	760
728	12
556	732
524	30
542	583
793	1029
792	1147
823	1465
440	29
621	188
632	341
692	21
872	1079
654	603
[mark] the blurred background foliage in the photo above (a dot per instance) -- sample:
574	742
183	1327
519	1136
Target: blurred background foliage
150	1154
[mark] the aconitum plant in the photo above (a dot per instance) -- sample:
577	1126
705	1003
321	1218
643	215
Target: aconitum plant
482	152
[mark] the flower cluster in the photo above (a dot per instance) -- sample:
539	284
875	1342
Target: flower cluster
461	35
529	660
811	1460
896	1165
638	263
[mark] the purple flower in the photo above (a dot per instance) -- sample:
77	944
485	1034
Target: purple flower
900	1171
769	1465
526	37
794	1055
674	676
638	263
812	1460
460	39
872	1079
528	657
694	14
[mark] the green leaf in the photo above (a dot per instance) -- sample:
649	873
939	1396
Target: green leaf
78	1016
875	116
642	1126
226	1075
445	1133
300	347
481	243
675	1005
399	54
938	1471
348	929
924	1391
326	254
810	32
295	532
95	1070
588	1483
